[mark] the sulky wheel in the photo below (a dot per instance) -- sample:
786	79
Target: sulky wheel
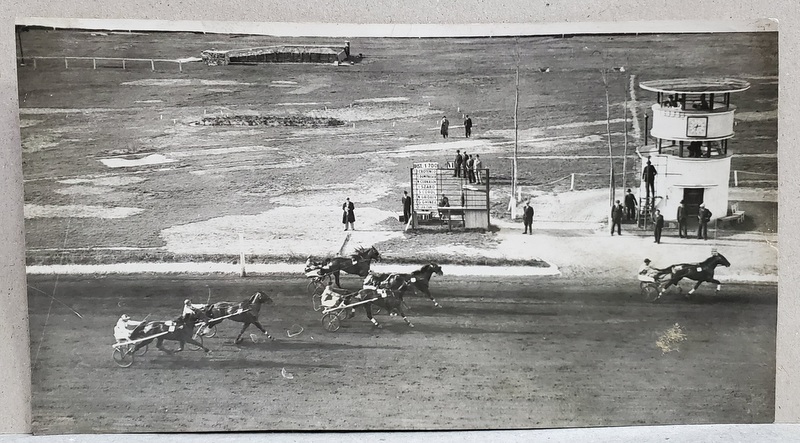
139	352
316	300
192	347
650	292
122	357
207	331
342	313
331	322
312	286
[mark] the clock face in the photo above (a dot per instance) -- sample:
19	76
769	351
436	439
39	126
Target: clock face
696	126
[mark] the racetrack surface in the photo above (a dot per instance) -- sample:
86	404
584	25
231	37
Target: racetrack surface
513	354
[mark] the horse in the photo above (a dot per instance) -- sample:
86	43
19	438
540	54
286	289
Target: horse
180	330
386	296
357	264
245	311
699	272
418	280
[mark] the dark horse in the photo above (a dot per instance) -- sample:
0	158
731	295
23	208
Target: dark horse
418	280
386	296
245	311
180	330
699	272
357	264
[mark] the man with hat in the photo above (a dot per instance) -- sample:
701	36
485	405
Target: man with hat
682	220
658	225
616	218
703	216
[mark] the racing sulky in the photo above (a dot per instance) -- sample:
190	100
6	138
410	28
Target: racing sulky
699	272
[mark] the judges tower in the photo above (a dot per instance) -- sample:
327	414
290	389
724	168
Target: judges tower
693	120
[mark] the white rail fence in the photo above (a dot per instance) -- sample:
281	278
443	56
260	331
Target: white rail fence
741	177
124	62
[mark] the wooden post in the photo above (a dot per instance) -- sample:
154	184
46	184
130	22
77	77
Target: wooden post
180	66
736	178
123	63
572	182
34	63
152	65
66	63
243	273
646	130
94	63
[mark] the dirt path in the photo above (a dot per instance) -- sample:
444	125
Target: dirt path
519	354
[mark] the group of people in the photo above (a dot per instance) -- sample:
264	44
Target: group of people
445	127
703	217
468	166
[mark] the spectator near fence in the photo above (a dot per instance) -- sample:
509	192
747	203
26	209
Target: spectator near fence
459	160
478	167
649	177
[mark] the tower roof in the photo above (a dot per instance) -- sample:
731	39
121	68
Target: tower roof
696	85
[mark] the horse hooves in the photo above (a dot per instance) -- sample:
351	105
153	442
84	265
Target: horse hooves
410	325
237	341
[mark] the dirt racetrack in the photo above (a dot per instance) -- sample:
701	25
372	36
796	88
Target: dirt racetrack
517	354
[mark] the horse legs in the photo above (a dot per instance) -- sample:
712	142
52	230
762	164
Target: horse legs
192	341
717	282
159	345
696	285
368	310
261	328
428	293
336	278
403	314
239	337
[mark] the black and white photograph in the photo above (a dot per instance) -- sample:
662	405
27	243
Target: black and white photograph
275	231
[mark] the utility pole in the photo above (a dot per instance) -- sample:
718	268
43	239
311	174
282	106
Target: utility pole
625	146
608	138
513	201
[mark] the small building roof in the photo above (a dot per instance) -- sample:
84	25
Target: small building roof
696	85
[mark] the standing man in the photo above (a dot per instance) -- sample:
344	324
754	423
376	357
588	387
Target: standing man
658	225
406	207
682	232
649	177
348	214
465	168
478	166
527	218
630	206
704	216
445	127
616	218
458	162
468	126
471	169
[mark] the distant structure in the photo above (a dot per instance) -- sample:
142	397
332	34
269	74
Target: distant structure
693	120
279	54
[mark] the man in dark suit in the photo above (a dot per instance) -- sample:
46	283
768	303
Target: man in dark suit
616	218
406	207
658	225
527	218
682	221
468	126
704	216
630	206
458	162
649	177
